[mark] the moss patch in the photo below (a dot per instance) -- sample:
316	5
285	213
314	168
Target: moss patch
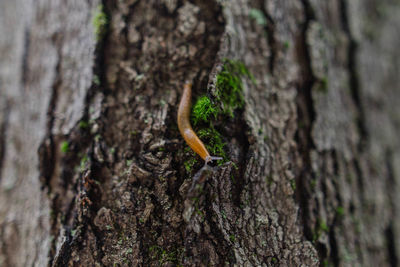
99	22
203	110
214	143
258	16
229	86
189	164
321	227
163	256
83	162
340	211
83	124
64	146
228	97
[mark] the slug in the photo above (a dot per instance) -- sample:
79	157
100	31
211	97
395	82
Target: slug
186	130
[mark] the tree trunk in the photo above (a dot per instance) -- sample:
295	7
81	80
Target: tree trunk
94	172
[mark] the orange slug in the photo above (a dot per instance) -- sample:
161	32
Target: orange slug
186	130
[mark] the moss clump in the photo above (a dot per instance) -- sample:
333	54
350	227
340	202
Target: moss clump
213	142
96	79
228	98
83	124
229	86
324	84
191	161
99	22
258	16
293	184
64	146
163	256
203	109
83	162
286	45
229	93
322	227
189	164
340	211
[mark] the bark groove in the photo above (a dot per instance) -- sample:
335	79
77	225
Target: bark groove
93	169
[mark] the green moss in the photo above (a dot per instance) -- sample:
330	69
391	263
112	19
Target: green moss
313	183
83	124
340	211
320	228
223	214
189	164
228	98
286	45
293	184
99	22
229	86
199	212
192	160
232	238
322	85
202	110
258	16
163	256
83	162
64	146
73	232
96	80
323	226
326	263
213	142
315	236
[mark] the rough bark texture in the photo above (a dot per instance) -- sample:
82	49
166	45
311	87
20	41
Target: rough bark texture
91	160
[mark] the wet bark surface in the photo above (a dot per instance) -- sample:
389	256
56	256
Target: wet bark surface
92	165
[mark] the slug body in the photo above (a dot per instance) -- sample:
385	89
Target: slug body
186	129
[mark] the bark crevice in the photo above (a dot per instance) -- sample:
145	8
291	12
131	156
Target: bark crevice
306	118
47	154
390	233
353	74
47	151
270	29
25	57
391	245
3	133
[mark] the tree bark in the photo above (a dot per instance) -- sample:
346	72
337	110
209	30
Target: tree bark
94	172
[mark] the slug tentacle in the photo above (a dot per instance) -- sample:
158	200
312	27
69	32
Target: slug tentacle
211	158
186	129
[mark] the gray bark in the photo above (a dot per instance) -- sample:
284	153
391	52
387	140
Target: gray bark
91	160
